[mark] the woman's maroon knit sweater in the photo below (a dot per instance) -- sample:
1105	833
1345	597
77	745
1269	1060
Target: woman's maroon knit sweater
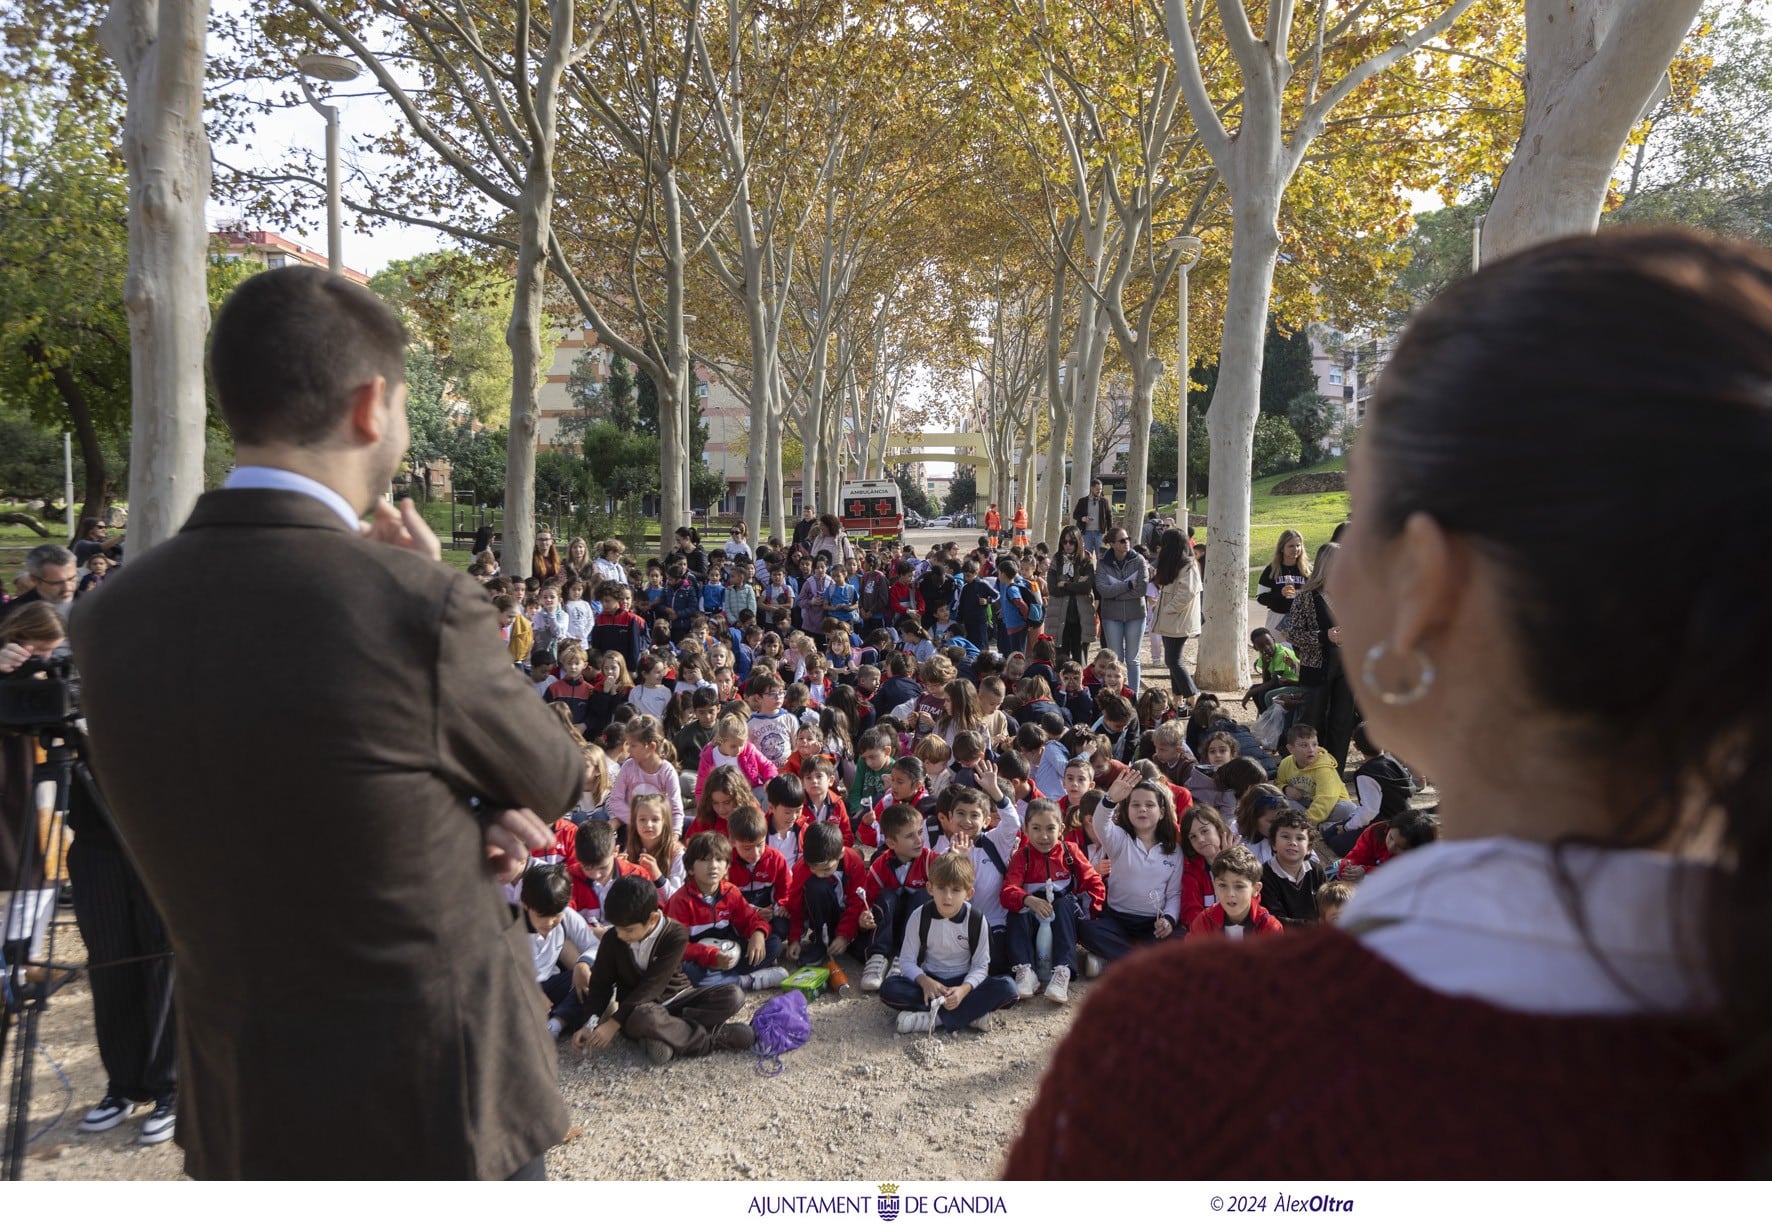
1418	1084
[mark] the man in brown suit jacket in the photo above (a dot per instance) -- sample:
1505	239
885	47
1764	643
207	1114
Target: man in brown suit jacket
316	746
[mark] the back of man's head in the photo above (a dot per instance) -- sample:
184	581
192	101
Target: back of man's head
290	347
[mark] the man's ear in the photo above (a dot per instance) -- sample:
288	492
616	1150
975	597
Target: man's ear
367	414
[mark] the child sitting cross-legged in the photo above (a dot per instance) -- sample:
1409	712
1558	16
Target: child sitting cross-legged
897	882
1236	879
641	969
786	816
562	943
722	793
1049	879
1136	824
711	909
964	813
758	870
824	899
945	956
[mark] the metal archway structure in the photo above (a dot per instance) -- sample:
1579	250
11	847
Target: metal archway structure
913	448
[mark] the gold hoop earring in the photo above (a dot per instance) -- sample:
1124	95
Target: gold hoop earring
1424	680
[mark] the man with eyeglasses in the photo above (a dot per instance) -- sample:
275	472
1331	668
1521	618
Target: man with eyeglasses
54	575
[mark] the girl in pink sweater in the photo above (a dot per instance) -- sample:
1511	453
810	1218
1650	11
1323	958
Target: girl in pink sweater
731	746
646	770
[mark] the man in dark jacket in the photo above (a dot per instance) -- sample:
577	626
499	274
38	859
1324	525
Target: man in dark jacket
1094	517
354	997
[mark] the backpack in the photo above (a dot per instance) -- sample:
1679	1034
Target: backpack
782	1024
974	929
1036	613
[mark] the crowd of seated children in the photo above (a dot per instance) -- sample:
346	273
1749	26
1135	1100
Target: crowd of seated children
905	824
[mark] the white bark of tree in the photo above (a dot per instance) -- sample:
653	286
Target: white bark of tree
1592	67
1256	163
160	48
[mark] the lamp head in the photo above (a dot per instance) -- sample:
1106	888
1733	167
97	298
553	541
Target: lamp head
335	68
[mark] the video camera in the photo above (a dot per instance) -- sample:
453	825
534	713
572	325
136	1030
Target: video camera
41	695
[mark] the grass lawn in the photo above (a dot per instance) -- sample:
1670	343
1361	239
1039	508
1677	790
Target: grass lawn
1314	515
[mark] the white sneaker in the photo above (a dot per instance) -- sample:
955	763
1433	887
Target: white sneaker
873	973
1059	988
107	1113
1026	984
919	1021
1093	965
766	979
160	1124
986	1023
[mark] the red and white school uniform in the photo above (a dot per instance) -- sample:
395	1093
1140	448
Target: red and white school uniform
1066	868
850	873
763	883
726	915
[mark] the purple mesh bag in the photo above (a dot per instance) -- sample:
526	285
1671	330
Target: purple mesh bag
782	1024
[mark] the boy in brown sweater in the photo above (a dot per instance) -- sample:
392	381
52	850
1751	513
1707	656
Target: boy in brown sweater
642	969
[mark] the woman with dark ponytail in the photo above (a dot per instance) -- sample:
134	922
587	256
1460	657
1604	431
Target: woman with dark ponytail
1573	983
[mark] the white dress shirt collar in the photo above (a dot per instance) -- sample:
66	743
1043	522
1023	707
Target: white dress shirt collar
253	476
1617	933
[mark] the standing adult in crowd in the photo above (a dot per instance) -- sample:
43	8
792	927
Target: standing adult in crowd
55	576
1178	608
689	551
388	1024
1590	931
830	540
1072	618
608	566
1316	636
1093	517
1283	577
1121	577
544	562
806	526
578	558
738	541
95	539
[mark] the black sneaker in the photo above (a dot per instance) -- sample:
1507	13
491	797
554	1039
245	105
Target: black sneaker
107	1113
159	1124
659	1052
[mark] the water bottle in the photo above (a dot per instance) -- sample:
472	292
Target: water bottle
1043	941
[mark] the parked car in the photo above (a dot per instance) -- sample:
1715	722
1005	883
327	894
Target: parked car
941	520
913	519
965	520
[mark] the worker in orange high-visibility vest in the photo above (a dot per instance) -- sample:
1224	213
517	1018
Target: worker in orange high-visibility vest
993	524
1021	527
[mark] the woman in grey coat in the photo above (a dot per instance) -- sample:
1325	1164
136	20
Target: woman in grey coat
1121	577
1072	576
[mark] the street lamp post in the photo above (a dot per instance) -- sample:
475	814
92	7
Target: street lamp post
1189	247
338	69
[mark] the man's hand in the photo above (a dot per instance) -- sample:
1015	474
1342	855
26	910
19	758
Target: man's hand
12	657
581	980
510	838
402	528
598	1038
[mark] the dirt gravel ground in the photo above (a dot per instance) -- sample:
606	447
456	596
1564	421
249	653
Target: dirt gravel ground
856	1077
713	1118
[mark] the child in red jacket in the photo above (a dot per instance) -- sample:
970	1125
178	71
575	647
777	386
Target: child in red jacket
823	804
1383	840
897	883
710	907
1204	836
759	871
902	597
1047	878
593	868
825	898
1236	878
